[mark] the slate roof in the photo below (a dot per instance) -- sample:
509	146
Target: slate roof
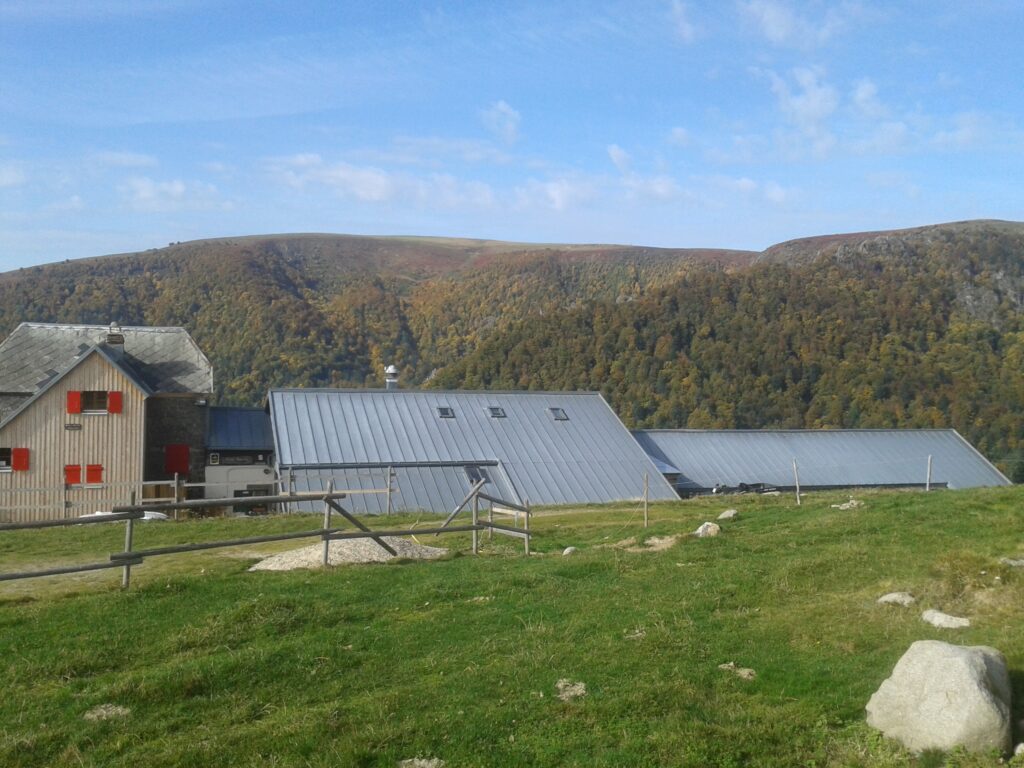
160	359
239	429
825	458
588	458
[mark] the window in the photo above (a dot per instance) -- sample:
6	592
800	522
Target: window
496	412
94	402
445	412
476	474
559	414
72	474
94	474
13	459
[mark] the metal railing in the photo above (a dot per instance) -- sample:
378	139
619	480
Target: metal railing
130	513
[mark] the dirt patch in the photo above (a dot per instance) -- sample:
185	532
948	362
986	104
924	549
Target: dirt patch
567	690
655	544
348	551
106	712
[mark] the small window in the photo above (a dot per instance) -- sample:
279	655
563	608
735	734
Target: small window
94	402
496	412
94	474
559	414
445	412
6	457
476	474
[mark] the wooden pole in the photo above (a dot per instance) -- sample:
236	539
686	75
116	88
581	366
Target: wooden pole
126	573
476	515
490	519
390	508
646	493
327	523
526	517
796	477
928	477
176	499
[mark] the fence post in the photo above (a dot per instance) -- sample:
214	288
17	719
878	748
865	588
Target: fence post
126	574
490	520
796	477
526	518
327	523
389	490
476	518
646	492
928	478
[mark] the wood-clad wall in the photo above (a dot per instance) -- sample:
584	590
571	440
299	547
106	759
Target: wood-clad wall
116	441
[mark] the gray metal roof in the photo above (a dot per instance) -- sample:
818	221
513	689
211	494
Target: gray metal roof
588	458
239	429
840	457
161	359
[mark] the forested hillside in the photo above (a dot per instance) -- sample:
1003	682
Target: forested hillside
918	328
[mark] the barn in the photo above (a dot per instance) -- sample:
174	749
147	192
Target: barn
536	447
700	460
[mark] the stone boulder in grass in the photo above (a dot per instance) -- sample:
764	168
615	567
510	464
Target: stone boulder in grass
943	696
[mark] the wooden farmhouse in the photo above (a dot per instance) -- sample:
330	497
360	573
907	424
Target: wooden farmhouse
88	413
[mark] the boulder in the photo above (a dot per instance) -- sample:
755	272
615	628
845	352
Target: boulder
729	514
942	696
1012	562
707	529
898	598
568	551
944	620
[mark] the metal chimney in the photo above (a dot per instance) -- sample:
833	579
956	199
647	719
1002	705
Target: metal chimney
115	340
391	377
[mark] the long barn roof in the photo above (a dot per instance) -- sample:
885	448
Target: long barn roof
827	457
588	457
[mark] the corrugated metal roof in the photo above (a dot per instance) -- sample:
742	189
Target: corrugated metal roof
587	458
840	457
164	359
239	429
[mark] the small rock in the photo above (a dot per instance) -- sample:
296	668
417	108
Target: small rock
1011	562
898	598
943	696
568	550
1019	749
944	620
707	529
567	690
636	634
106	712
422	762
729	514
851	504
743	673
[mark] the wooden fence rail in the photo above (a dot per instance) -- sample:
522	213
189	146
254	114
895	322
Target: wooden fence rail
135	557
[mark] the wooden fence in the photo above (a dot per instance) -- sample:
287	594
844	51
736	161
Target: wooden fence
130	556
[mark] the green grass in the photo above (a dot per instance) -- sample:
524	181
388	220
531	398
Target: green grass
368	665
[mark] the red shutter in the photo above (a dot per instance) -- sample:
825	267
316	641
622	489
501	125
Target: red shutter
72	474
114	402
19	459
74	402
93	474
176	459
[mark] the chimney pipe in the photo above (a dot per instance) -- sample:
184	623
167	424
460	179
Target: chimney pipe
391	377
115	340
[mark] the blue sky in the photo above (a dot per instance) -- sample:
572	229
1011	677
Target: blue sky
736	123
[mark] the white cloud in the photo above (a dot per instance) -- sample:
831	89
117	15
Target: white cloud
807	106
967	130
147	195
865	100
778	23
886	138
679	137
370	184
557	194
901	182
12	176
685	30
619	157
123	159
503	121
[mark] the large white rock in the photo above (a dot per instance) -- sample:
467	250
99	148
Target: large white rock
898	598
944	620
729	514
707	529
942	696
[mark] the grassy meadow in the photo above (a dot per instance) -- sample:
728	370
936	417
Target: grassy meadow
458	659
